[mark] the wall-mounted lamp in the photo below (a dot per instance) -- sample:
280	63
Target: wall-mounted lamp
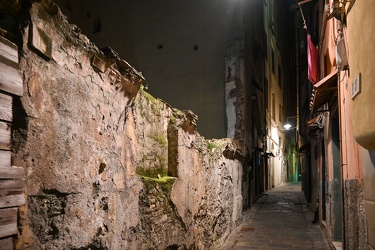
288	125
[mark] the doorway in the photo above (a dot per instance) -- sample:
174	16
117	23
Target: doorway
337	180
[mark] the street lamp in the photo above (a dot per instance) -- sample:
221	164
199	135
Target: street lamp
291	154
287	125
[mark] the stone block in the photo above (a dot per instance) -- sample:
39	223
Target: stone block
370	206
98	64
41	41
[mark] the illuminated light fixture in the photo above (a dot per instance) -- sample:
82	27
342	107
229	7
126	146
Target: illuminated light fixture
287	126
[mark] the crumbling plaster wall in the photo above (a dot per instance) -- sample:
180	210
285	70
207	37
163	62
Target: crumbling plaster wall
98	156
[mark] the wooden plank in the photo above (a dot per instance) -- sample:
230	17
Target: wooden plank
12	200
8	229
7	243
6	107
12	173
5	157
4	136
11	80
8	49
9	54
8	214
8	218
11	186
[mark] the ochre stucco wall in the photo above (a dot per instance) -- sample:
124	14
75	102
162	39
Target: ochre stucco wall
360	38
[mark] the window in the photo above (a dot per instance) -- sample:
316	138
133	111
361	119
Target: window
68	5
280	77
266	39
280	113
273	61
273	106
266	93
97	25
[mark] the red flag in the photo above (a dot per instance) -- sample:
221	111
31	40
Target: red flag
312	61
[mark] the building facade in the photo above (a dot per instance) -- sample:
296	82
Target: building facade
335	137
280	165
257	75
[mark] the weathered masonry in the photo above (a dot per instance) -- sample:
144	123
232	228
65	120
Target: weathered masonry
106	165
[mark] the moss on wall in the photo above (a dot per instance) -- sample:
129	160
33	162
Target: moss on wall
151	172
165	184
159	138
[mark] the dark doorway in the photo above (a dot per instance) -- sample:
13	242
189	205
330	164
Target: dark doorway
324	182
337	179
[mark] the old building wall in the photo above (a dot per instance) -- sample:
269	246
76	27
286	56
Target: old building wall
179	47
359	37
109	166
352	169
344	198
77	140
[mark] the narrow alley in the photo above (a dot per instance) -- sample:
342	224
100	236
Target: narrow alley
187	125
280	219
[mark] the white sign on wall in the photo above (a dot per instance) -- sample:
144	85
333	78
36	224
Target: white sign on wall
356	86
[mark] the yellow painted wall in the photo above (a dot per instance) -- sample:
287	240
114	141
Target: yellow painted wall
361	42
361	38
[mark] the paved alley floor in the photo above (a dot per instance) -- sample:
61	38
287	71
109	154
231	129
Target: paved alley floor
279	219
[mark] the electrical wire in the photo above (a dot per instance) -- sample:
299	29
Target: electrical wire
303	16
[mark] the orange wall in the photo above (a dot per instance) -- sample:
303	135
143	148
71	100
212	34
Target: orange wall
360	38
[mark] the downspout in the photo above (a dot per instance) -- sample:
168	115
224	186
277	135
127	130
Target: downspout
324	24
343	146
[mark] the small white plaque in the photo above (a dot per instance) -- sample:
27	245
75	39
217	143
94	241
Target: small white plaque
356	86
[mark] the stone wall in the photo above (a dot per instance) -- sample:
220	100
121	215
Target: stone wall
354	229
109	166
355	217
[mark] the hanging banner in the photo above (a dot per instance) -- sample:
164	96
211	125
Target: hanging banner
313	61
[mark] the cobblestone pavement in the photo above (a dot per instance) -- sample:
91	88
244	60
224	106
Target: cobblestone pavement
279	219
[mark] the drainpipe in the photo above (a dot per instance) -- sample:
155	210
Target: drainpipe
343	146
324	24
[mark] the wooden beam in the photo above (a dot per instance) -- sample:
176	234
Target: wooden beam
7	243
6	107
8	229
4	136
8	214
8	222
12	173
8	50
5	157
11	186
11	80
12	200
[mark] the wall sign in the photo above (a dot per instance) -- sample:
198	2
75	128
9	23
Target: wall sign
356	86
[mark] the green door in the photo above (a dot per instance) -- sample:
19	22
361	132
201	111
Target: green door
337	180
